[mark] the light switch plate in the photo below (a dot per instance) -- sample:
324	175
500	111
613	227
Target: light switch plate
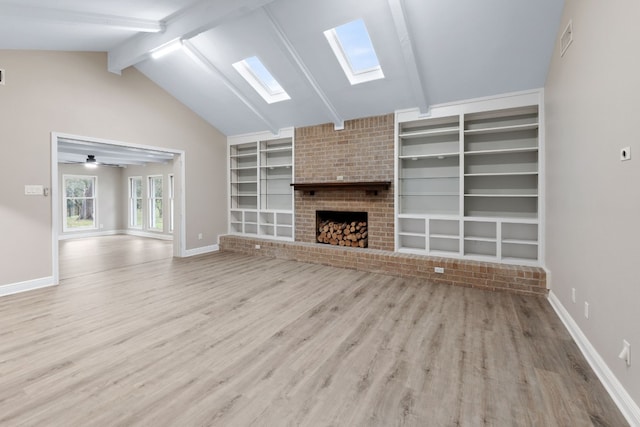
33	190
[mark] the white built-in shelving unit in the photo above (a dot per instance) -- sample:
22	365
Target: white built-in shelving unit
260	177
468	180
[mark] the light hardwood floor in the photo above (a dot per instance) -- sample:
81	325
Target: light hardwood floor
134	337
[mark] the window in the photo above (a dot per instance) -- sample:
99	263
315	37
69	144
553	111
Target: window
353	48
155	203
257	75
135	202
79	202
171	204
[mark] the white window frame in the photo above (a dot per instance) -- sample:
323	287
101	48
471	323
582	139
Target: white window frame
152	200
374	73
171	202
133	202
66	229
247	73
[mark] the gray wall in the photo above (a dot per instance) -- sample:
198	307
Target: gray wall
73	93
593	199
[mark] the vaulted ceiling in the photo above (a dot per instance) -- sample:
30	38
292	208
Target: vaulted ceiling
431	51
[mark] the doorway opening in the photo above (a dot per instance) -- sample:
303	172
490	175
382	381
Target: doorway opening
103	187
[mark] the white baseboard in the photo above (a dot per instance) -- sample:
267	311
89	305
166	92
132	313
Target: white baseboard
202	250
149	234
625	403
29	285
80	235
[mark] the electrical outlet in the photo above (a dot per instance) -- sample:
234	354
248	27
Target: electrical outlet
199	236
257	246
340	178
439	270
573	295
586	310
625	153
625	354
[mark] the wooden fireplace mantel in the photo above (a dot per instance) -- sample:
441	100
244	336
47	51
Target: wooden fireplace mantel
370	187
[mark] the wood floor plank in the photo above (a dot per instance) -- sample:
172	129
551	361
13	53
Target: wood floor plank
133	337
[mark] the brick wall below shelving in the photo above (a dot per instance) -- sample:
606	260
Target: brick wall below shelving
475	274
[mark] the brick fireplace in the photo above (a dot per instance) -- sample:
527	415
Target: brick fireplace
363	151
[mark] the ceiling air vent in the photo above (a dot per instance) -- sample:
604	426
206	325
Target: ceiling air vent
567	38
1	76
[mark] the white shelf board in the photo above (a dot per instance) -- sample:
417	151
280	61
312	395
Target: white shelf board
243	168
430	132
520	242
430	156
431	177
502	174
238	156
244	195
405	233
502	219
501	195
501	151
499	129
275	150
444	236
429	194
244	182
288	165
480	239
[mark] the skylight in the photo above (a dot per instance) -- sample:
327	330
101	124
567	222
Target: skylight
257	75
353	48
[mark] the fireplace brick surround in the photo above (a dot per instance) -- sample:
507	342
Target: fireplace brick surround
364	151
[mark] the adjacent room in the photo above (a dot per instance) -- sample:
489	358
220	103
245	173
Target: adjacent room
346	213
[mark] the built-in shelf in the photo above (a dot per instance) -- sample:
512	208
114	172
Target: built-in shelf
370	187
260	173
468	184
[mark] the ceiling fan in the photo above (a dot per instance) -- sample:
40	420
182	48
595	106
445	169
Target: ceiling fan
91	162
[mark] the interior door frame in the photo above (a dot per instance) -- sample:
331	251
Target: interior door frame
179	235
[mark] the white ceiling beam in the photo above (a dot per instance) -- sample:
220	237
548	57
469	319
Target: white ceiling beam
208	66
188	23
338	121
408	52
76	17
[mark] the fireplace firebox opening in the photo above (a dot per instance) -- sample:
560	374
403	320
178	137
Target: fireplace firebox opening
342	228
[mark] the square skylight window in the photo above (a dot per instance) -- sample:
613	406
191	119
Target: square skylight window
353	48
257	75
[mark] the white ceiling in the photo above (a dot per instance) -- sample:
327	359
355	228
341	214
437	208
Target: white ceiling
72	151
431	51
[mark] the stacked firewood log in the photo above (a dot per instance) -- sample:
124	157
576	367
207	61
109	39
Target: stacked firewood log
353	234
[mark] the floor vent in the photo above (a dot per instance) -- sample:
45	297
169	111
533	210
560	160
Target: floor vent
567	38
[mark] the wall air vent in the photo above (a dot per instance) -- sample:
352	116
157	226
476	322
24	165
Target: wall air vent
566	38
1	76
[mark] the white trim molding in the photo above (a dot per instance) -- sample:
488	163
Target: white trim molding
28	285
149	234
625	403
202	250
79	235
